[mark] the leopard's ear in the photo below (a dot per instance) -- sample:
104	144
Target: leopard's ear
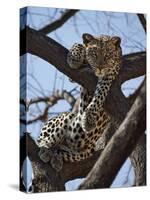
87	38
116	40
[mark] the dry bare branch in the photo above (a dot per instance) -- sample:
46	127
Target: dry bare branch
59	22
50	101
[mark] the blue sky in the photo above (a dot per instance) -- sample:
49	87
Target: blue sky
41	75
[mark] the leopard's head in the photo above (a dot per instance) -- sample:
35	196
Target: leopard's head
103	51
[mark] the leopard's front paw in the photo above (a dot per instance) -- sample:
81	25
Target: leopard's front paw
76	56
88	122
44	154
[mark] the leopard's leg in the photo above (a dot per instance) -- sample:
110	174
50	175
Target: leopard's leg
54	130
49	155
91	113
106	73
89	147
73	156
59	155
75	128
45	154
85	99
52	134
75	58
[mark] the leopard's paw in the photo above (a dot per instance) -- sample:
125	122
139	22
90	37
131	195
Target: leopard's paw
76	56
44	154
88	122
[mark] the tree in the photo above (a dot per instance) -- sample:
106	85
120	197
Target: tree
126	133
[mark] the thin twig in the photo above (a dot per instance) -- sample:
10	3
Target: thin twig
59	22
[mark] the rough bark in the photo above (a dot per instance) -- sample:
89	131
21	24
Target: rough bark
138	160
46	178
138	156
119	147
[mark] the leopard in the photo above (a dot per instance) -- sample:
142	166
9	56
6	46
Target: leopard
71	137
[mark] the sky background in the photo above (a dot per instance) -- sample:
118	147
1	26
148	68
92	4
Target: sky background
43	78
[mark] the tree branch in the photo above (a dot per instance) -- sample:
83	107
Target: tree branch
138	160
69	171
138	156
50	101
59	22
142	20
120	146
38	44
42	117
